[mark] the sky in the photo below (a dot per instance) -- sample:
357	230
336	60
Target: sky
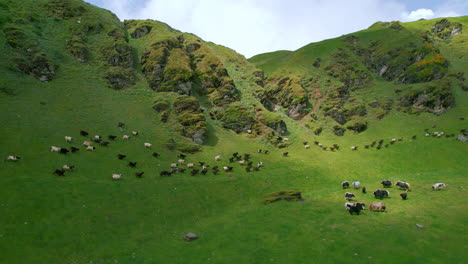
258	26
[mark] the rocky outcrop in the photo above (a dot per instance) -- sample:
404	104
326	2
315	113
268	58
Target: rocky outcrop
181	66
273	121
141	31
237	117
288	92
435	98
189	115
445	29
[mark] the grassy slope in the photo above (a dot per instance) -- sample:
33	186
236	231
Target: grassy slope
86	216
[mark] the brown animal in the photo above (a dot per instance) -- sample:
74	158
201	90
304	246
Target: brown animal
379	207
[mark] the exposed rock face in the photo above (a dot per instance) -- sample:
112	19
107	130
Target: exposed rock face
339	131
358	127
435	98
288	92
259	78
39	66
190	116
140	32
237	118
444	29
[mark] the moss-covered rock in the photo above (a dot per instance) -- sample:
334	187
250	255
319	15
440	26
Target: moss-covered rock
64	9
444	29
358	127
435	98
119	77
161	105
237	117
141	31
339	131
273	121
118	53
190	117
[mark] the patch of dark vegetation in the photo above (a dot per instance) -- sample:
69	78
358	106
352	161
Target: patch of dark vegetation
344	114
119	77
273	121
345	68
318	131
290	196
8	91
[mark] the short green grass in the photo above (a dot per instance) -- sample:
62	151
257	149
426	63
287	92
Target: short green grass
86	217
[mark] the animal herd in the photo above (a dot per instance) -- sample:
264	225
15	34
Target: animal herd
357	207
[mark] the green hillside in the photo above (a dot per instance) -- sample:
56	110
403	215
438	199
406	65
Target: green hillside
69	66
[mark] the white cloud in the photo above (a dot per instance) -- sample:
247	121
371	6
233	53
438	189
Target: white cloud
418	14
256	26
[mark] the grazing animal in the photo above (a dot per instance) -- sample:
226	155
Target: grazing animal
413	137
126	137
285	154
354	148
84	133
139	174
247	169
64	151
404	196
87	143
227	168
204	171
379	194
231	159
90	148
173	165
403	185
120	124
386	183
135	133
165	173
260	164
194	172
13	158
356	185
306	146
59	172
54	149
121	156
112	137
96	138
181	169
182	156
132	164
74	149
68	139
259	151
235	154
68	167
285	139
246	156
349	196
379	207
190	165
305	142
116	176
181	161
215	172
215	168
266	151
147	145
155	154
104	143
354	207
366	146
345	184
242	162
438	186
218	158
364	190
